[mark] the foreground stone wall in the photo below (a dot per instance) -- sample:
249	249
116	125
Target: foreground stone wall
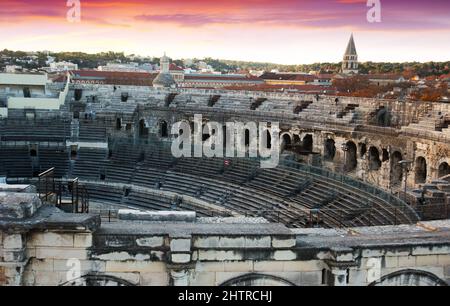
138	254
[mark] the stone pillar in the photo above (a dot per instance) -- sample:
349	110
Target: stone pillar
180	277
339	276
14	261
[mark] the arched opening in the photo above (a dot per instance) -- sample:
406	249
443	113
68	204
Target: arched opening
33	152
421	170
26	92
443	170
350	157
118	124
124	96
374	159
256	279
73	154
98	281
78	94
269	139
329	150
286	143
163	128
247	137
143	130
396	168
410	277
308	143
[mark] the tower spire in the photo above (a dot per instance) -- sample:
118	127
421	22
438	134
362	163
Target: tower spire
350	61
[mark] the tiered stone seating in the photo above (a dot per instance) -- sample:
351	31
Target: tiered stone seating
90	163
15	162
54	158
47	130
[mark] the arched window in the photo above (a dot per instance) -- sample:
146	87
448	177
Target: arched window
329	150
269	139
374	159
308	143
421	170
143	130
443	170
286	141
164	131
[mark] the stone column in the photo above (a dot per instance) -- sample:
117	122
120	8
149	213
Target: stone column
339	276
180	277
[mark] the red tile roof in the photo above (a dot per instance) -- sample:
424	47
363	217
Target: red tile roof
113	77
174	67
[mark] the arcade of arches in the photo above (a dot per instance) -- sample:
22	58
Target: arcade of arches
362	155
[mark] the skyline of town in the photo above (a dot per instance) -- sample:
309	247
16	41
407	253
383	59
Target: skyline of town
285	32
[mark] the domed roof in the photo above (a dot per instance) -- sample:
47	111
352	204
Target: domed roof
163	80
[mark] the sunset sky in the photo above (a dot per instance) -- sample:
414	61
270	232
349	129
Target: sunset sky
280	31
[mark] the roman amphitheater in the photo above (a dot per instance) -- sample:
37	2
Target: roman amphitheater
93	196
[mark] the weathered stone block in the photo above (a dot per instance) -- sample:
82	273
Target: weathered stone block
51	240
61	265
61	253
181	257
268	266
283	242
406	261
210	266
234	242
372	253
206	242
238	266
150	242
431	250
82	240
180	245
258	242
14	241
154	279
311	278
444	259
217	255
284	255
302	266
203	279
121	256
426	260
135	266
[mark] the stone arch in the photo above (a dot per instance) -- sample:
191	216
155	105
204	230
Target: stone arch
257	279
329	150
351	161
409	277
396	168
443	169
420	170
374	159
97	281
